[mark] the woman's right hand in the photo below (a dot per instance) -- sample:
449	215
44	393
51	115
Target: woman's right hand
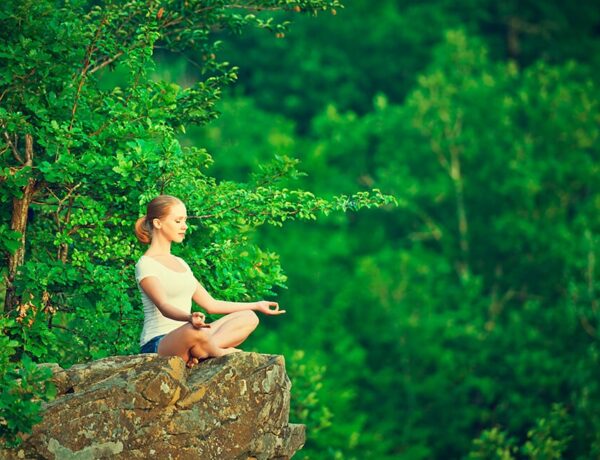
268	307
198	319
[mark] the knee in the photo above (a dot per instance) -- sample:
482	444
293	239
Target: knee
252	319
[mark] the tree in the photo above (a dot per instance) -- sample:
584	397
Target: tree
381	47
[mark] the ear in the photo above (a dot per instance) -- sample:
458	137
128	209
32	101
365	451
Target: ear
156	223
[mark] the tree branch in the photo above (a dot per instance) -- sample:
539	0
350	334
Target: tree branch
13	147
107	62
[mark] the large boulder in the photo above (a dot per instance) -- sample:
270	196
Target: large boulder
146	406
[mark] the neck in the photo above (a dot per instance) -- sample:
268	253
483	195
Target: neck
159	246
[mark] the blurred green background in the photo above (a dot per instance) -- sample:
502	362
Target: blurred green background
465	320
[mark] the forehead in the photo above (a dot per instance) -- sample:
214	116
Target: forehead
177	210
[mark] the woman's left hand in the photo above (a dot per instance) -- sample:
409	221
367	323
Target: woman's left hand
198	320
268	308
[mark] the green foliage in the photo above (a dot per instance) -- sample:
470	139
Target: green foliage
493	444
474	306
382	47
307	407
548	440
23	385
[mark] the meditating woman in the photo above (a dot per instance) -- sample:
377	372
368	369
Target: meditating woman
168	286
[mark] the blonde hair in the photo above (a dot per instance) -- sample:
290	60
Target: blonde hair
157	209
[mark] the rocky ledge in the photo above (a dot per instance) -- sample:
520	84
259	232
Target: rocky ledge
146	406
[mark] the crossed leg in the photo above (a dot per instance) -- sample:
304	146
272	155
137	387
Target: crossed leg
232	329
193	344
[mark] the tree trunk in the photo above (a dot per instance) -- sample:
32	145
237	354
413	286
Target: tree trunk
461	214
19	224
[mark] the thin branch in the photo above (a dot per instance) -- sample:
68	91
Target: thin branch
435	148
265	182
107	62
86	65
591	266
253	8
13	148
64	328
587	327
76	228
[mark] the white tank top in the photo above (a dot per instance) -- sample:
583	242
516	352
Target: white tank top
179	288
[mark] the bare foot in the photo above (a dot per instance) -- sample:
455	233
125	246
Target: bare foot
192	362
228	351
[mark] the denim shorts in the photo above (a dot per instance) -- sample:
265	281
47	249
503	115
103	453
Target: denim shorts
151	346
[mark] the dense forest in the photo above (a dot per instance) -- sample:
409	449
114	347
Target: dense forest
417	183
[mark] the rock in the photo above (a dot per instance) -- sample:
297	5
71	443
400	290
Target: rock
145	406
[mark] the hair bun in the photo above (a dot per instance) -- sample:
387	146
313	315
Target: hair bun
143	231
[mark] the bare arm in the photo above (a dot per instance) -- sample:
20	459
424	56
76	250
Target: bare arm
154	290
212	305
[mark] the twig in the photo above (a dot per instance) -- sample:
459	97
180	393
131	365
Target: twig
13	148
86	66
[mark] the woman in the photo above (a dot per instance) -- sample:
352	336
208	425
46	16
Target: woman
168	286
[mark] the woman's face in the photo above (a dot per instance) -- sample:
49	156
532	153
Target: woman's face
173	225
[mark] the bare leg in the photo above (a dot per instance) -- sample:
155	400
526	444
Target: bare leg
227	332
231	330
187	341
